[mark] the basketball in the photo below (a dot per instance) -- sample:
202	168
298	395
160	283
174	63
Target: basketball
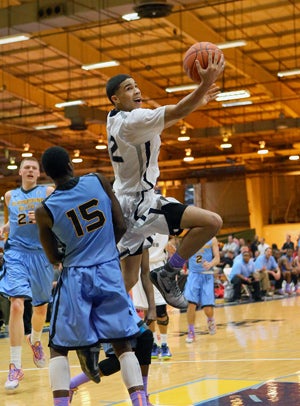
198	51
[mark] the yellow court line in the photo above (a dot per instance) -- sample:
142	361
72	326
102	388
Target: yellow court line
195	392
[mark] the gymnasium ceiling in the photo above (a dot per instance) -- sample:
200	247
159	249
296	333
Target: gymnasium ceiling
65	34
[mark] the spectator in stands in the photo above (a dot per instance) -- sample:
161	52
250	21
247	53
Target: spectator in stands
243	273
288	271
230	246
296	266
267	269
254	245
262	246
244	248
289	244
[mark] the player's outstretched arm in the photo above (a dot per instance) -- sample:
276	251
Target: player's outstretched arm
204	93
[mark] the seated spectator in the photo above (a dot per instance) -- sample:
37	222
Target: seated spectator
243	273
244	248
230	245
261	248
288	271
298	241
226	261
254	245
296	267
267	269
289	244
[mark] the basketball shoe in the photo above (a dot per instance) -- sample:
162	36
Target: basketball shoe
155	351
212	328
190	337
15	375
164	278
38	353
165	352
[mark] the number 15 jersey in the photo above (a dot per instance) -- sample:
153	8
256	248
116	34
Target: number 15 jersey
82	221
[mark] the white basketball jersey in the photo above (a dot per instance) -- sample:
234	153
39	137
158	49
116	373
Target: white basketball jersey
134	142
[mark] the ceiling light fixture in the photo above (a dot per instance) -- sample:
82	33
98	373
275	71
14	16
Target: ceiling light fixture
152	8
101	145
237	103
235	94
76	159
100	65
45	127
232	44
225	144
14	38
26	153
181	88
70	103
183	136
294	157
288	73
262	150
188	155
131	17
12	164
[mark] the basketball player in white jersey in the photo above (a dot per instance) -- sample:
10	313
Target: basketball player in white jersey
134	142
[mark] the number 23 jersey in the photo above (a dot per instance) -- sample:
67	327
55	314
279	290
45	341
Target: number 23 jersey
22	232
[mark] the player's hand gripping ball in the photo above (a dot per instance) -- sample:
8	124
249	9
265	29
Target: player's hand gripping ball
198	51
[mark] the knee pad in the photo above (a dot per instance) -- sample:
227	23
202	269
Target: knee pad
163	322
109	365
161	310
88	358
59	373
143	348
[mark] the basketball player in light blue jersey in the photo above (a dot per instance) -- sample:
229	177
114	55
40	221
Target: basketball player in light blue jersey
134	143
199	287
90	303
26	272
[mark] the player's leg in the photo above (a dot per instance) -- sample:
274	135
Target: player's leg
131	373
162	323
111	364
202	224
59	374
34	338
211	323
41	278
191	317
16	336
130	269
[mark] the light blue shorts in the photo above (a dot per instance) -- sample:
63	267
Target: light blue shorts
28	274
91	306
199	289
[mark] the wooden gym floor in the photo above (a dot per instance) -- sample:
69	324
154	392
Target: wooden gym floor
254	359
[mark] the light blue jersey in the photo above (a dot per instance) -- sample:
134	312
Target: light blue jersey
204	254
199	287
90	304
26	271
82	222
22	232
